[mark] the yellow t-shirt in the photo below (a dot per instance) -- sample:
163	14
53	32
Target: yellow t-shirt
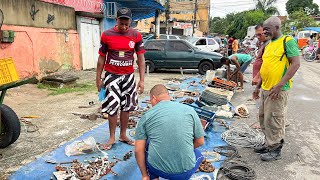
272	69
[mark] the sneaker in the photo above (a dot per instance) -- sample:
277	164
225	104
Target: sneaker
271	156
261	149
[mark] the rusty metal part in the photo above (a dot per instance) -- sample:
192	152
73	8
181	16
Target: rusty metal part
127	155
114	157
188	101
242	111
60	168
55	162
206	166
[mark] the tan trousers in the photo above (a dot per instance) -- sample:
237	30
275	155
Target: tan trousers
272	117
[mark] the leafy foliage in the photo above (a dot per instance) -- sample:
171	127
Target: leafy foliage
266	6
236	24
307	5
299	19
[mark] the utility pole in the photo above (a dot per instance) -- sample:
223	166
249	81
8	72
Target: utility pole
194	16
167	15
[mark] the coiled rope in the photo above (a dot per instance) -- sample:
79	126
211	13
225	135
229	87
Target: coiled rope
244	136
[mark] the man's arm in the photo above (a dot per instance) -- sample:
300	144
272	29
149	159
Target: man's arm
198	142
235	62
228	71
100	65
294	66
139	151
141	66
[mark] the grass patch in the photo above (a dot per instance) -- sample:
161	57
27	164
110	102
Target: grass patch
81	88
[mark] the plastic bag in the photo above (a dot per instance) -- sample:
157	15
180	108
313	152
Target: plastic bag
81	147
102	94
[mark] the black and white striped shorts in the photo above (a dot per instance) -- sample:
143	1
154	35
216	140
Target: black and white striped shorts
120	93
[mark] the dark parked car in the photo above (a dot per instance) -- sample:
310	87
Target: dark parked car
176	53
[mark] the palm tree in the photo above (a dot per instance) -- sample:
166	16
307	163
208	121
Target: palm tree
266	6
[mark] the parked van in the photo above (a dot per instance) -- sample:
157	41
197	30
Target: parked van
303	36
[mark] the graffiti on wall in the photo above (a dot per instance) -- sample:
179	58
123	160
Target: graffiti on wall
33	11
50	18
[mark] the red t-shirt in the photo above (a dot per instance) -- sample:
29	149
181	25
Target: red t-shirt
119	48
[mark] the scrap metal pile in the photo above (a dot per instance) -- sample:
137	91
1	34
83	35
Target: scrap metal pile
223	84
88	170
93	170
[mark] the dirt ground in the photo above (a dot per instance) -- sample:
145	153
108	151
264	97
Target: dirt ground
58	125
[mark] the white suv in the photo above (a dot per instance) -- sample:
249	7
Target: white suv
204	43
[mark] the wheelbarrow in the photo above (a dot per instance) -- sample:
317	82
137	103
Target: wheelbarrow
9	122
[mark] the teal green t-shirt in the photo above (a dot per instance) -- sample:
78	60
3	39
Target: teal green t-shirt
171	128
242	58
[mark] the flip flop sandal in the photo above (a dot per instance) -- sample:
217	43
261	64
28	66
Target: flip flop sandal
129	142
105	147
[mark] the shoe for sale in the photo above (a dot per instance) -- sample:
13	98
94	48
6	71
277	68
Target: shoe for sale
261	149
271	156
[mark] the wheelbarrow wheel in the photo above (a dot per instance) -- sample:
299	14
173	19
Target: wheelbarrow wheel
11	128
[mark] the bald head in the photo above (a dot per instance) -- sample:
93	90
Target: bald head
158	90
272	28
273	21
158	93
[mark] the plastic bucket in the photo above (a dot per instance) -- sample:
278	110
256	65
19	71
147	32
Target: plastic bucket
210	74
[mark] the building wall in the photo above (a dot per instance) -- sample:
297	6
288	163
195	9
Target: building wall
183	10
42	50
46	15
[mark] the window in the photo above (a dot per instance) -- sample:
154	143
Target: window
177	46
211	42
163	37
172	37
156	45
201	42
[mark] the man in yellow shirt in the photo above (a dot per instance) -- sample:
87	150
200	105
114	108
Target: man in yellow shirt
280	63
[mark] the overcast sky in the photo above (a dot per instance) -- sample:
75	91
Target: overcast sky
222	7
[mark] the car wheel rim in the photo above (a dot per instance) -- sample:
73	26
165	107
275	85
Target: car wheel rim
206	68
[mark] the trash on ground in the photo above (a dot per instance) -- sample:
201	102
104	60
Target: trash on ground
85	146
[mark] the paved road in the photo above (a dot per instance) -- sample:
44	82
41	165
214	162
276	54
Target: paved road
301	152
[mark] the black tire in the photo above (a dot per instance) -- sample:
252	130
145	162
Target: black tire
151	65
204	66
11	124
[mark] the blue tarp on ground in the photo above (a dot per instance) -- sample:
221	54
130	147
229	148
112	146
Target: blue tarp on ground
129	169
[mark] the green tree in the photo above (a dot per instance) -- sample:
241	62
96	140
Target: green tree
236	24
218	25
307	5
299	19
267	7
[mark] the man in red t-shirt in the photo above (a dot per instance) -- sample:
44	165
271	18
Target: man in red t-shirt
118	45
230	41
